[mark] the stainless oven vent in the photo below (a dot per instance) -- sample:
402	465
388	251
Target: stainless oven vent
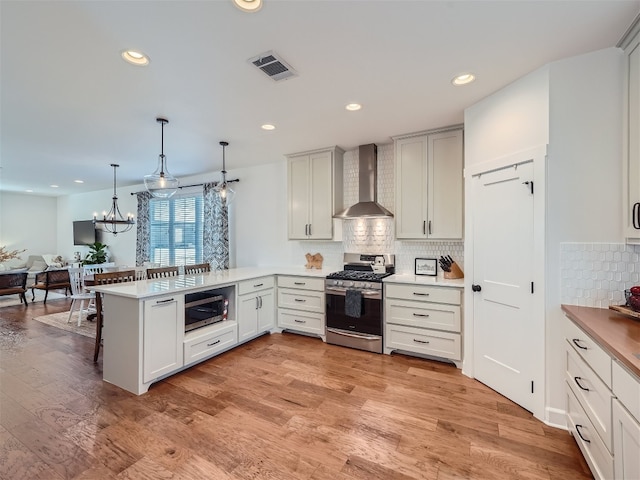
273	66
367	205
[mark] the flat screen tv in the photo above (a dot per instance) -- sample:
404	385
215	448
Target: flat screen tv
85	233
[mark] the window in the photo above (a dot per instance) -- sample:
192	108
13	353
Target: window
176	230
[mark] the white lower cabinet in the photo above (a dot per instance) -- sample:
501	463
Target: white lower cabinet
163	331
256	307
626	424
301	304
423	319
207	341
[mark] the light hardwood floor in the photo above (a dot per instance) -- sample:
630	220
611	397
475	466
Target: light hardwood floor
280	407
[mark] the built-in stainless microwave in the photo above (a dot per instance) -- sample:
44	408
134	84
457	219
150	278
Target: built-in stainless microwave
204	308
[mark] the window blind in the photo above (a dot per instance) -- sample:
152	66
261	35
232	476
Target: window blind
176	230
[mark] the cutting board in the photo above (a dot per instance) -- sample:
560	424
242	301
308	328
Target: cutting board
625	310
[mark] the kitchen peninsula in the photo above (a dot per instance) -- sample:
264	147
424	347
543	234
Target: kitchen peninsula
144	332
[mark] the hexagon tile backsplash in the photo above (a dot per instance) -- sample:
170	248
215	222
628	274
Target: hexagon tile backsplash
597	274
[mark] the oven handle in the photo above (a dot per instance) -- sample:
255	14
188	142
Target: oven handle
361	336
343	292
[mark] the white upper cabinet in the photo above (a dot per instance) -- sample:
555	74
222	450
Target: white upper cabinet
631	142
429	185
315	193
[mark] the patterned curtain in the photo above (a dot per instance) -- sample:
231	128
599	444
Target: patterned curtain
216	229
143	229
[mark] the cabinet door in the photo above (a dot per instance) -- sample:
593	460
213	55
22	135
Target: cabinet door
411	184
247	317
321	196
299	199
163	331
267	312
631	146
626	444
445	186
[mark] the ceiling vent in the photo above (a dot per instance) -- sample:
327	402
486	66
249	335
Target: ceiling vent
273	66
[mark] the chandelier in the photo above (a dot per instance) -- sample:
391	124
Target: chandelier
114	222
161	184
222	188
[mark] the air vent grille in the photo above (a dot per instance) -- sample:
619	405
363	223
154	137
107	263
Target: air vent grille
273	66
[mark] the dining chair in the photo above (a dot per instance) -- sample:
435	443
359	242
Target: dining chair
98	268
78	292
162	272
197	268
107	278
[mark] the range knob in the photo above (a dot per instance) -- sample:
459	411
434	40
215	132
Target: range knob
348	284
339	282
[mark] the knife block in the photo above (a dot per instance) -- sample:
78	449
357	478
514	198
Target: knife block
454	273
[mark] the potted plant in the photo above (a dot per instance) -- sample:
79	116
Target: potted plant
97	254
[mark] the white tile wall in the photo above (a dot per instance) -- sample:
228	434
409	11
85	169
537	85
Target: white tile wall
596	274
377	235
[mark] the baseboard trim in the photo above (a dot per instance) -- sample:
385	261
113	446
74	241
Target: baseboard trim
556	418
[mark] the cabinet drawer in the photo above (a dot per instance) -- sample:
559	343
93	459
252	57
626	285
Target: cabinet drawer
307	300
423	293
428	342
255	285
590	351
302	283
423	314
592	393
626	441
627	388
593	449
302	321
215	340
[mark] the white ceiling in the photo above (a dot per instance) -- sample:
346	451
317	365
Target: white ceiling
70	105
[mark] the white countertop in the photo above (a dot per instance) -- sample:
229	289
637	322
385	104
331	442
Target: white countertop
425	280
182	283
152	288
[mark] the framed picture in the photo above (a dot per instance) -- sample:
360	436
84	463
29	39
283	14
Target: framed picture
426	266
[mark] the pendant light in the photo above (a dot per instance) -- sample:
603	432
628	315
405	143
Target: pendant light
114	222
161	184
222	188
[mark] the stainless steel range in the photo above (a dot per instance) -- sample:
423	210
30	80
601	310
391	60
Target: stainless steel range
354	301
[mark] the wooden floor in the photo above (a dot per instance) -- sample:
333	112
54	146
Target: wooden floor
281	407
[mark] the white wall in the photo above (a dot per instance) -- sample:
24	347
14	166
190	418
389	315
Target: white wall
584	178
513	119
28	221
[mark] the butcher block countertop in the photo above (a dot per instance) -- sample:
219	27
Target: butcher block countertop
616	333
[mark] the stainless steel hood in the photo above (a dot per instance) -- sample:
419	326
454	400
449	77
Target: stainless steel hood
368	187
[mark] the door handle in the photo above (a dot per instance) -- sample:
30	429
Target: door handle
476	288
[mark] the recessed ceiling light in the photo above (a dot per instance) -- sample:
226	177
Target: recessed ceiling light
352	107
135	57
248	5
463	79
79	181
268	126
53	186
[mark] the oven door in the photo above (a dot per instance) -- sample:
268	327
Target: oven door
364	332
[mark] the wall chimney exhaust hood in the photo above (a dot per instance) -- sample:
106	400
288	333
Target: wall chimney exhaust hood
368	187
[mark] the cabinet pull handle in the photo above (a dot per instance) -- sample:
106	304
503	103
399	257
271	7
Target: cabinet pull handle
258	285
301	300
257	303
575	342
299	283
214	343
635	216
575	379
260	301
424	227
420	315
429	227
309	229
420	341
578	427
164	301
419	294
299	321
